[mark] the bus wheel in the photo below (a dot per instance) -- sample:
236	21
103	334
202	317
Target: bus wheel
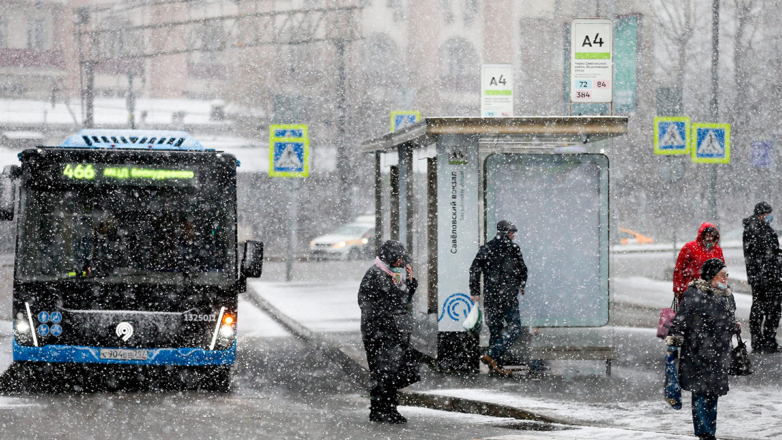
218	379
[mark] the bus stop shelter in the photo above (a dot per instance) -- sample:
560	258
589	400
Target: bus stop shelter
441	186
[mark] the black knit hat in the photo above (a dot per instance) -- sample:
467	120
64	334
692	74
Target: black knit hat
506	226
762	208
391	251
711	268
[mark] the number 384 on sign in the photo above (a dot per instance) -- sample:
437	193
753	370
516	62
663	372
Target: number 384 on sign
583	94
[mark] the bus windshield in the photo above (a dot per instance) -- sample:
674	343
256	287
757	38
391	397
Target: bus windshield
127	234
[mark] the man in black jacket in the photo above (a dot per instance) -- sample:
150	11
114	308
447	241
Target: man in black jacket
761	256
384	297
504	276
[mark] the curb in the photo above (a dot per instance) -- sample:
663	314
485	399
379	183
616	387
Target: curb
360	374
468	406
349	365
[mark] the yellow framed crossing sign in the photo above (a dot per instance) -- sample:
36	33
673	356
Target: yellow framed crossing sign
401	119
289	151
710	143
672	135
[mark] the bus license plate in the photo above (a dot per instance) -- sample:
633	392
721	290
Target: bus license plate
123	355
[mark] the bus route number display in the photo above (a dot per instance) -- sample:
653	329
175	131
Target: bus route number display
127	175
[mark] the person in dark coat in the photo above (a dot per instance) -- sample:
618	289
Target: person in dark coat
385	297
703	328
761	255
504	277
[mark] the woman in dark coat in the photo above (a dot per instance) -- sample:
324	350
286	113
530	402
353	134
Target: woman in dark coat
385	296
703	328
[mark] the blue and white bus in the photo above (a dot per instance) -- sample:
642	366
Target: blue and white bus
127	253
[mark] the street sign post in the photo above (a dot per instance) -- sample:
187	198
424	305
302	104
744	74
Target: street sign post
710	143
289	154
496	90
401	119
672	135
591	60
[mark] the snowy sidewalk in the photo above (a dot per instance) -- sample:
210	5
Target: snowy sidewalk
629	403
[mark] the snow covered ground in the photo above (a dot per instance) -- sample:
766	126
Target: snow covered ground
751	410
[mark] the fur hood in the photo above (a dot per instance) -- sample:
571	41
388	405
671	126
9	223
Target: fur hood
705	287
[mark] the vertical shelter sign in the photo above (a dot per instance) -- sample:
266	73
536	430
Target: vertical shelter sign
496	90
457	231
591	60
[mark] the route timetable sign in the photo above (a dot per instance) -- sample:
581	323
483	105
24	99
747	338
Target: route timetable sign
289	151
496	90
591	60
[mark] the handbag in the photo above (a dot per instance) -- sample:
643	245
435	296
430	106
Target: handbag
740	364
474	320
672	389
666	318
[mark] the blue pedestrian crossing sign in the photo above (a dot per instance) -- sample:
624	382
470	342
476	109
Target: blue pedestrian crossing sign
402	119
671	135
710	143
289	147
762	154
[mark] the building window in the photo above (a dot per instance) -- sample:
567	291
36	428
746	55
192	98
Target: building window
471	9
459	66
445	8
398	10
35	34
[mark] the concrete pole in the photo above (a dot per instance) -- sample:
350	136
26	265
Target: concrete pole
714	108
343	160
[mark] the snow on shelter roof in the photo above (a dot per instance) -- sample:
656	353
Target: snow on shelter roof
555	131
137	139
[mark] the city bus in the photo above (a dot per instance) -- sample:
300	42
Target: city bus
127	253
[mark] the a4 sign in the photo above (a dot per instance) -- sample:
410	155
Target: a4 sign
591	60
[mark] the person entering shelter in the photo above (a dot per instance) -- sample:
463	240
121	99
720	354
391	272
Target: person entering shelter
703	327
762	257
504	277
692	256
385	296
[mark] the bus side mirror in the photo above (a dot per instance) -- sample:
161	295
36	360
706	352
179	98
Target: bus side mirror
252	263
8	191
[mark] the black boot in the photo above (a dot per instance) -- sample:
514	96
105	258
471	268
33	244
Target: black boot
382	408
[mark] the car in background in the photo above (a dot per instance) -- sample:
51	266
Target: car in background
349	242
628	236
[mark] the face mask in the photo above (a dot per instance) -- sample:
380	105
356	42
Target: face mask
722	286
769	219
397	269
709	245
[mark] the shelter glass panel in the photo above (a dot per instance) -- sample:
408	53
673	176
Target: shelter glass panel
559	202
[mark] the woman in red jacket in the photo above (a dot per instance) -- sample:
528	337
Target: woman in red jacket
693	255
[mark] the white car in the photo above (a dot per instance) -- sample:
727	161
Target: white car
349	242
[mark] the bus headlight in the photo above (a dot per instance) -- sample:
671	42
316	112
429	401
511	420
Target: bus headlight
22	327
22	331
226	331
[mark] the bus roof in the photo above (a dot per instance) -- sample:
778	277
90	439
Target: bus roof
135	139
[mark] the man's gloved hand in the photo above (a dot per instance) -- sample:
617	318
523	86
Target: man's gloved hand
675	341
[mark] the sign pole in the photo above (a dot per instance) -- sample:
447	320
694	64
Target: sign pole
293	217
714	102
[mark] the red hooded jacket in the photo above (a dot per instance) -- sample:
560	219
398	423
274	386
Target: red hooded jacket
691	258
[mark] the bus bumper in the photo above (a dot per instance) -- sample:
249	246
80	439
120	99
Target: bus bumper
155	356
